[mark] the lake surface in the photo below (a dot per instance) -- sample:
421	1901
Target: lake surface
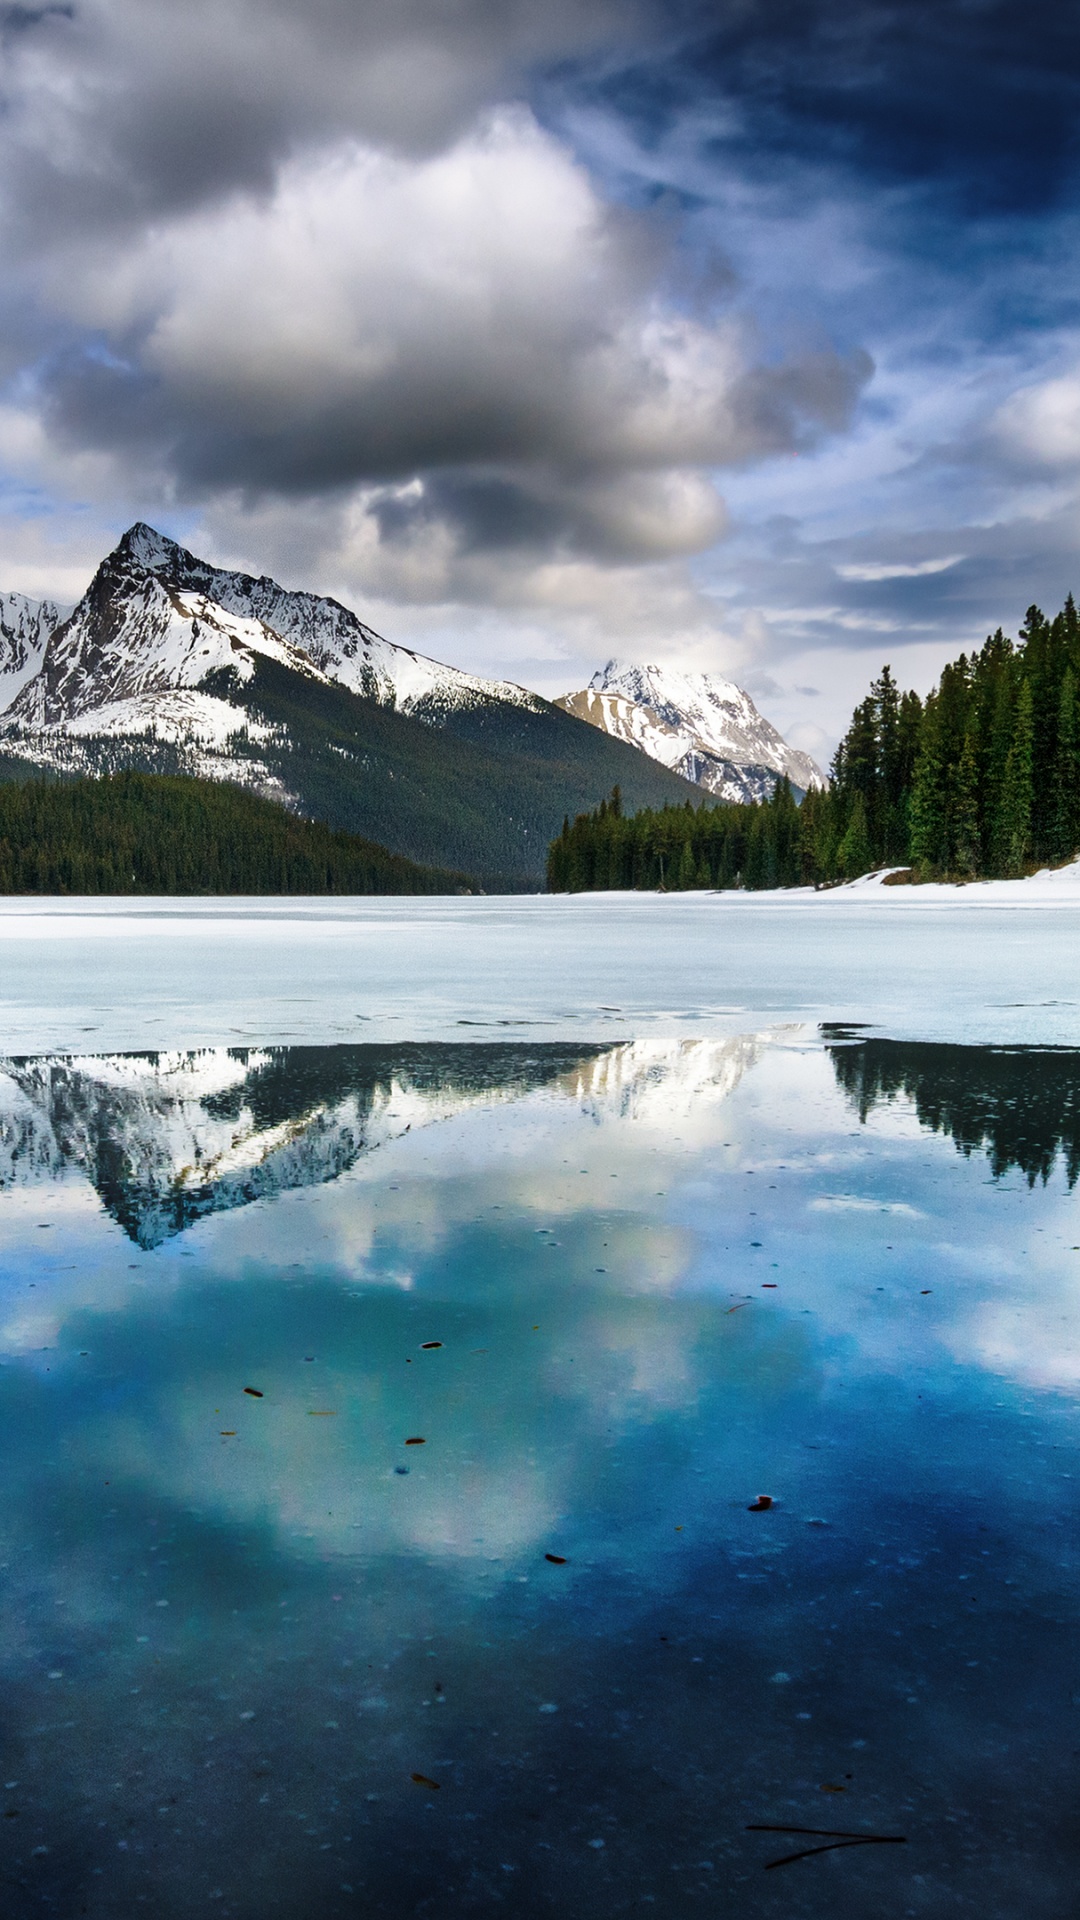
563	1467
982	965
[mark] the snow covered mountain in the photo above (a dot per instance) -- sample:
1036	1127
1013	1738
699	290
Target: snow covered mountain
706	729
26	626
156	623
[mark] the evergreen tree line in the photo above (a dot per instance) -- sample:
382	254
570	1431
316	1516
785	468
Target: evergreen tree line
982	780
151	833
677	848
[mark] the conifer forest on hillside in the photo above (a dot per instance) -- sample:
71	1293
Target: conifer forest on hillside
160	834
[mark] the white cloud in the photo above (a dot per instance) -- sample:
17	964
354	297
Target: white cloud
1042	422
897	569
377	316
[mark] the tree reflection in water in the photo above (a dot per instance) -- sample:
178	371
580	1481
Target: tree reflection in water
1019	1105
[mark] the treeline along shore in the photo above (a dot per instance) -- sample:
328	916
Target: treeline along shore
979	781
158	834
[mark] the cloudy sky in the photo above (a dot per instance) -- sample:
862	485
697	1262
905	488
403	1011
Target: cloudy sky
744	335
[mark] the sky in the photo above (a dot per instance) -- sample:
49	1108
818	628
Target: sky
742	336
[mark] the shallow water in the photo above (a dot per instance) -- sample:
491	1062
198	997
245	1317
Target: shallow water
471	1606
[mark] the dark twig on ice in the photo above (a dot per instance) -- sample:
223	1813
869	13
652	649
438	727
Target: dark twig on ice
832	1836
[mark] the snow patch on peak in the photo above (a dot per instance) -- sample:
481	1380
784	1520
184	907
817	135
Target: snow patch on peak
158	639
718	710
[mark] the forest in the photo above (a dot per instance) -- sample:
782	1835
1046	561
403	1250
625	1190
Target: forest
160	834
981	780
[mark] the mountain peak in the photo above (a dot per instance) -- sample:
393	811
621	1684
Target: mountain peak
654	685
612	671
157	622
145	547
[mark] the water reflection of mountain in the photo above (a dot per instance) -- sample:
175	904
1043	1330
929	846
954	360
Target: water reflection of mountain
1019	1104
168	1138
661	1082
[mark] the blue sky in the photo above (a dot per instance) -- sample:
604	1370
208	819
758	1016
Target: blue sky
743	337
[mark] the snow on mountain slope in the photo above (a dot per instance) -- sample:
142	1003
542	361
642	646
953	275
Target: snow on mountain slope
156	620
26	627
706	729
643	728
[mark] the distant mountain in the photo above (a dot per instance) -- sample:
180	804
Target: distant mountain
703	728
168	665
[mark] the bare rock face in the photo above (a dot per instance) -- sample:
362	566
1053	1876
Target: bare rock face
704	728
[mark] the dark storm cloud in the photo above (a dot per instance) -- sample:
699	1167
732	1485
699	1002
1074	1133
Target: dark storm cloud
564	466
20	19
381	317
516	518
976	96
268	247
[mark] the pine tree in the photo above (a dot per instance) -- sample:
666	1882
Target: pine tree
854	856
1000	673
1066	782
889	825
929	794
1014	826
965	809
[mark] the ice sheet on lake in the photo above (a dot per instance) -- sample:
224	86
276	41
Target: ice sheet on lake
994	963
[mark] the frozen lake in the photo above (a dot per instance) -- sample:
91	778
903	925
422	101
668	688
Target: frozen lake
528	1407
995	963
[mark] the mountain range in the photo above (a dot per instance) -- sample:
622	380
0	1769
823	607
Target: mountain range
170	665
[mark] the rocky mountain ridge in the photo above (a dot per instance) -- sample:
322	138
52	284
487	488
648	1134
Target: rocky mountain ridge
156	620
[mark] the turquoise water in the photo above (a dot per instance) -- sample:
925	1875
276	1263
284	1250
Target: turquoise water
385	1436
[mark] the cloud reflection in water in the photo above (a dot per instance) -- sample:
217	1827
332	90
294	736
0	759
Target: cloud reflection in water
646	1320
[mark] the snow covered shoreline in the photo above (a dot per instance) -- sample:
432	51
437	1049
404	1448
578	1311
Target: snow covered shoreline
1050	887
